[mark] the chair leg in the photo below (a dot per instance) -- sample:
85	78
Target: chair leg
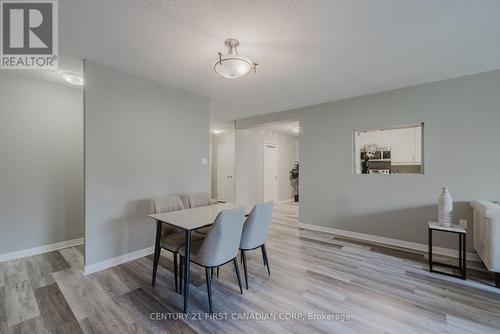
244	259
181	273
263	257
209	290
211	273
237	269
264	254
175	273
218	272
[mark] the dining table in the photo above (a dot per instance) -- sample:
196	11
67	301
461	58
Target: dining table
187	220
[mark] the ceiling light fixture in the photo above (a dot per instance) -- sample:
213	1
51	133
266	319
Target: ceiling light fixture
232	65
72	78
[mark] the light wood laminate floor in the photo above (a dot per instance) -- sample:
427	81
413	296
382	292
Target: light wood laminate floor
378	289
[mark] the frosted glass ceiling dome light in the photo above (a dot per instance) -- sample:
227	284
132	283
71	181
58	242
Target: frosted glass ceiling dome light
232	65
72	78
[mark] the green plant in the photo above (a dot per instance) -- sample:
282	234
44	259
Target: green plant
294	178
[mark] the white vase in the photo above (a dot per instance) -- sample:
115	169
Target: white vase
445	208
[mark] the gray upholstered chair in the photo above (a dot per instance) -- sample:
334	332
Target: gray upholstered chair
254	234
219	247
200	199
172	238
185	200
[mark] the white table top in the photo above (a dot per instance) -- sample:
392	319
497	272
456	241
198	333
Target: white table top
191	219
452	228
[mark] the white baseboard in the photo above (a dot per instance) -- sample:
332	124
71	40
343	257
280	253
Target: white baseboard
283	201
40	249
95	267
423	248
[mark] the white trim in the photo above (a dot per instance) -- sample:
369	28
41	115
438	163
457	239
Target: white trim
456	280
423	248
40	249
95	267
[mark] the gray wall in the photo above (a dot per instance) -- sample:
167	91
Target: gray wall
142	140
249	163
41	163
461	143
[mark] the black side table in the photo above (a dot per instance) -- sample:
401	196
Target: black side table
462	261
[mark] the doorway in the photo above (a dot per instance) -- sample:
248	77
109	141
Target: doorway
271	172
222	150
266	167
225	172
266	158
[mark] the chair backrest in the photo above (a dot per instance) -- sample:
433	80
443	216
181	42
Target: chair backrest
185	200
199	199
223	239
256	226
166	204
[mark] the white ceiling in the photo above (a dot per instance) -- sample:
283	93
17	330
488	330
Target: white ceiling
308	52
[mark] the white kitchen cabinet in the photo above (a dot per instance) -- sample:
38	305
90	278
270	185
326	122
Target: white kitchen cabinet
418	145
379	137
406	146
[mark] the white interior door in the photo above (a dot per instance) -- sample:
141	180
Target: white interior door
225	172
271	172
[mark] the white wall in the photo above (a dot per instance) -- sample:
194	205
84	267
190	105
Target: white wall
41	163
226	136
249	163
461	146
142	141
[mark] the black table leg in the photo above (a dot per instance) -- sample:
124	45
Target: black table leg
187	257
176	278
464	250
430	249
460	263
156	257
